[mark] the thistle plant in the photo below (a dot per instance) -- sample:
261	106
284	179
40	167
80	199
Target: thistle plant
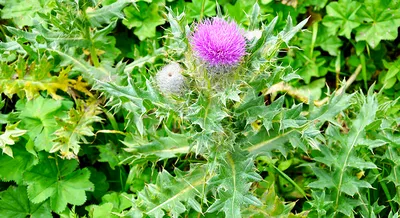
211	124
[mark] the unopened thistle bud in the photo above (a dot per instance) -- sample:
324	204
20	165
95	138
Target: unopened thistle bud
219	44
253	35
170	80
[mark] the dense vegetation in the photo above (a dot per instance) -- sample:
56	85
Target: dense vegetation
125	108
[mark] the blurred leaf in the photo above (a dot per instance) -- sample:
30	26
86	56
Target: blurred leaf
14	203
239	10
114	204
99	180
145	18
24	12
120	201
342	17
273	206
105	14
379	22
110	153
99	211
196	9
12	168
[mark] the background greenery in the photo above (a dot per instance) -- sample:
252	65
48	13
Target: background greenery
81	137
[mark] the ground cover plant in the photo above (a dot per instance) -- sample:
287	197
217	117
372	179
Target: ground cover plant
173	108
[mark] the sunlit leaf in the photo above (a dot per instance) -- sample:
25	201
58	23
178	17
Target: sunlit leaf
57	180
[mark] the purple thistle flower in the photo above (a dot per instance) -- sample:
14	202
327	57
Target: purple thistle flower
219	43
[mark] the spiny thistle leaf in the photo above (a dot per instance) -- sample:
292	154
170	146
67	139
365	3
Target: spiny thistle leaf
66	32
392	154
76	127
29	79
9	137
282	125
236	174
99	16
342	161
207	113
289	31
174	195
148	59
136	101
365	117
272	206
263	143
169	146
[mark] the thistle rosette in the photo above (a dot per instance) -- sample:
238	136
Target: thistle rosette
170	79
219	43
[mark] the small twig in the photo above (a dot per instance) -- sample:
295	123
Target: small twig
294	92
352	78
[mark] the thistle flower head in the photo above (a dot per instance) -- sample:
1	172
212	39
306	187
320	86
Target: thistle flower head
170	80
218	42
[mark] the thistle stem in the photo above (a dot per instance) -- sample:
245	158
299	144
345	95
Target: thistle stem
92	50
203	3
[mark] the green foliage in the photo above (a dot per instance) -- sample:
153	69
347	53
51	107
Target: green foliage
171	194
305	126
358	30
38	116
23	13
272	206
144	18
236	174
75	128
15	203
12	168
198	9
379	22
8	138
116	203
28	80
342	17
57	180
344	161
